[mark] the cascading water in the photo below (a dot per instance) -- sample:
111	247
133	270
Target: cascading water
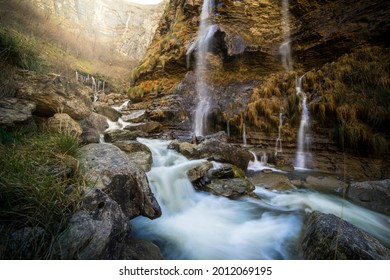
303	133
244	134
285	47
206	32
278	144
198	225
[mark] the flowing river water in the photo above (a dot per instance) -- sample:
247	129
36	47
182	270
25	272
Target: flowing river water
198	225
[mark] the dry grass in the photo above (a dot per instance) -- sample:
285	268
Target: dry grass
352	95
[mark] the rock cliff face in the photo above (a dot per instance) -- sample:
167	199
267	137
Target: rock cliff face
127	26
337	43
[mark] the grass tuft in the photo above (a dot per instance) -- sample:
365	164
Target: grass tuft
40	187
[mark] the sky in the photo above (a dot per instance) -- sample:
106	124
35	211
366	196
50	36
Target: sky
146	2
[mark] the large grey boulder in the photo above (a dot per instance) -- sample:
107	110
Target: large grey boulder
374	195
93	126
117	191
328	237
138	153
110	170
52	94
92	231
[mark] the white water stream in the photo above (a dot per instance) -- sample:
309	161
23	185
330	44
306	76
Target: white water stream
206	32
196	225
303	140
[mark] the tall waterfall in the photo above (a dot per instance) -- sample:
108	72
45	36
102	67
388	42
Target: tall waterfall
206	32
278	144
285	47
303	133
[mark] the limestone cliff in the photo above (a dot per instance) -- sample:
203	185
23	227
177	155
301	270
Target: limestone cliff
127	26
341	45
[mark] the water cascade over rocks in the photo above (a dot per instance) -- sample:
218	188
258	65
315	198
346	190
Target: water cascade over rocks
199	225
206	32
303	134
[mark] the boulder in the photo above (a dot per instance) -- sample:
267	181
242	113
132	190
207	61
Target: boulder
53	94
272	181
98	121
374	195
149	127
14	110
137	249
138	153
90	133
327	184
93	126
223	152
231	188
113	136
107	111
63	123
111	171
214	150
91	231
327	237
134	116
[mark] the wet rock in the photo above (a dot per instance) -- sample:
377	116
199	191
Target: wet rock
149	127
90	231
225	171
224	152
199	172
53	94
111	171
107	111
220	136
137	249
138	153
97	121
14	110
327	184
136	116
122	135
328	237
374	195
231	188
63	123
272	181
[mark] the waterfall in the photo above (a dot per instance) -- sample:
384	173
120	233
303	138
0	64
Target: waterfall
303	133
260	165
206	32
244	134
278	144
285	47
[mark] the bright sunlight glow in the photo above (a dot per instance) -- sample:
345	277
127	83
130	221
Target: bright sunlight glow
145	2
